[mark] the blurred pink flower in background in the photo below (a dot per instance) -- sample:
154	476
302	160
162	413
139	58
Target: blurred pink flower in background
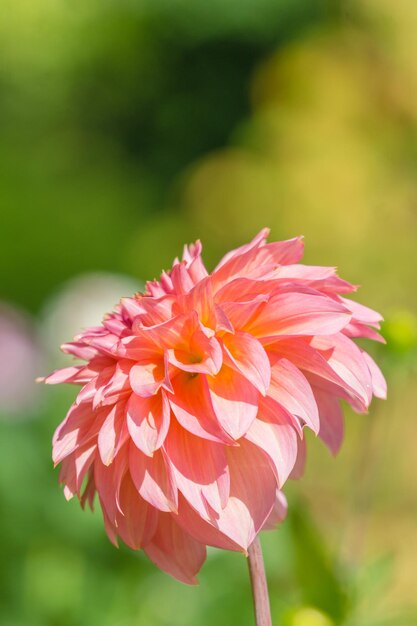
196	393
20	362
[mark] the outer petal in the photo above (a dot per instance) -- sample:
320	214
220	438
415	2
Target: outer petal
379	385
108	481
290	388
148	421
235	401
252	494
312	361
113	434
331	420
347	361
153	479
174	551
118	385
321	278
299	314
66	375
74	468
299	467
259	239
204	531
248	356
74	431
200	470
362	314
279	441
278	513
137	520
256	259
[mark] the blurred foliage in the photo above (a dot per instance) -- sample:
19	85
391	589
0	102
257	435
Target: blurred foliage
132	126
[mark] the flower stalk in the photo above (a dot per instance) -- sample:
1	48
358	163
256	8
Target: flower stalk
259	584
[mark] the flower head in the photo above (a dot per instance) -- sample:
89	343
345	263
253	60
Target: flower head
195	395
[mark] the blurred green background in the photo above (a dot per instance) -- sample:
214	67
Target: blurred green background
129	127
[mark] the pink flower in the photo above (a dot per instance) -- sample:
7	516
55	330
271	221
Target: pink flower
195	395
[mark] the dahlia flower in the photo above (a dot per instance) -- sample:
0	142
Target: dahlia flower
196	393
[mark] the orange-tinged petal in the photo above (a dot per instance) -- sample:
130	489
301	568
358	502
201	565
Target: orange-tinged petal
192	406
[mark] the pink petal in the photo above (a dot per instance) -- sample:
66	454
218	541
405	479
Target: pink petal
72	432
299	467
108	481
299	314
194	262
241	314
252	494
65	375
153	479
148	376
279	441
169	334
89	491
200	470
323	279
331	420
113	433
249	358
362	313
355	329
278	513
222	321
259	239
110	529
148	421
379	385
75	467
154	311
93	389
119	381
181	280
138	523
244	289
347	361
235	401
290	388
174	551
200	299
193	408
309	359
257	259
131	307
202	530
79	350
106	343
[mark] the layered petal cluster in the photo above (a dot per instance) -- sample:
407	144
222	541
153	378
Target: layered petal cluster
195	396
